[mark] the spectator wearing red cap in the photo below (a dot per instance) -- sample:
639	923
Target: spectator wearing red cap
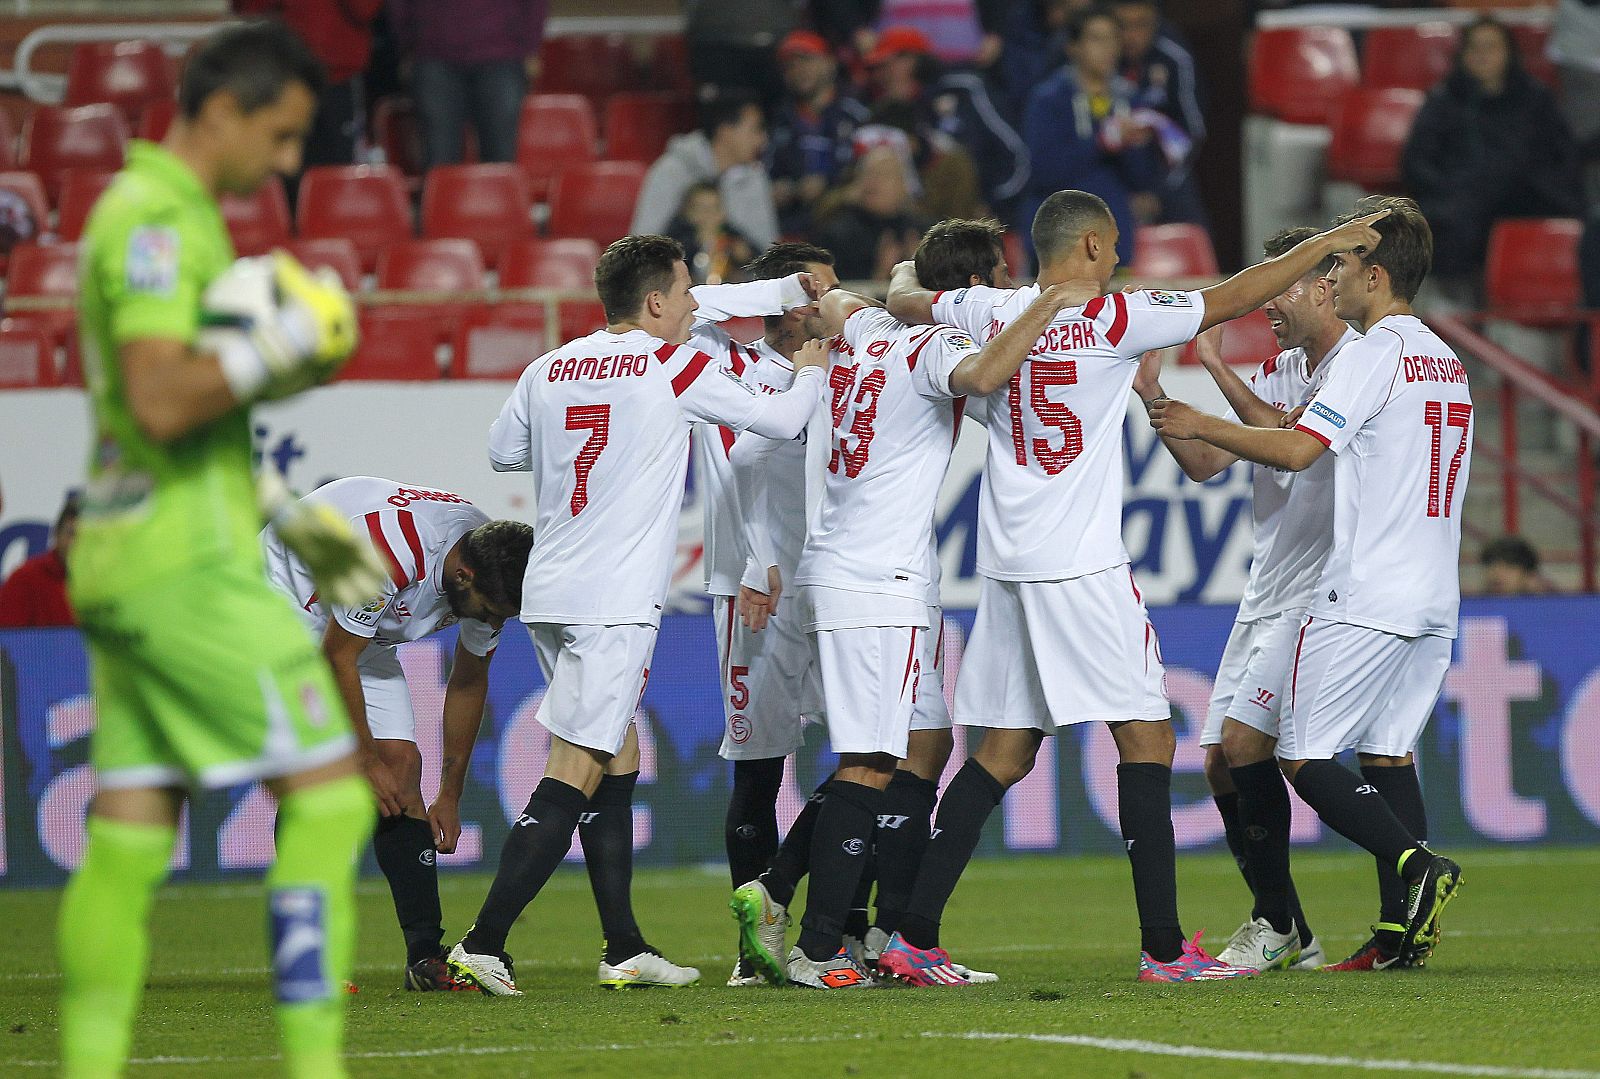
36	592
812	129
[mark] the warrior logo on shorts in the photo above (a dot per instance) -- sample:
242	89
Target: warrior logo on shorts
1263	698
739	729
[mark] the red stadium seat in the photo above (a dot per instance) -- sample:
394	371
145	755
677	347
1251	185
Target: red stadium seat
27	357
433	266
80	190
27	187
398	344
332	251
366	203
1246	341
1531	269
128	74
1180	250
639	125
8	141
1413	57
1531	41
156	118
487	204
1370	128
45	270
556	132
258	223
499	341
85	137
564	264
1297	73
594	65
596	200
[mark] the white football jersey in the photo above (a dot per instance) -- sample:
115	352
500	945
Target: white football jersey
894	422
1051	502
603	423
1293	511
1397	414
413	529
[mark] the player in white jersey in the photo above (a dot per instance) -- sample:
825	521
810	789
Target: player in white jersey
603	423
1372	653
1061	635
864	576
447	563
1293	518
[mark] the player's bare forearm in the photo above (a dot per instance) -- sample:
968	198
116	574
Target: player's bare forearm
908	301
172	389
1294	451
465	695
1251	287
342	649
992	366
1250	409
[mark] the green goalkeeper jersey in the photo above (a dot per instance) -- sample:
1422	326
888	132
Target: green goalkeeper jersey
154	510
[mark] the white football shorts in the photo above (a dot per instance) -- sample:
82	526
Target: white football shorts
1048	654
869	679
929	711
596	676
1354	687
770	682
1253	676
388	698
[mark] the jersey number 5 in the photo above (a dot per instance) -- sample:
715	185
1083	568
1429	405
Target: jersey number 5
596	419
1439	415
1041	376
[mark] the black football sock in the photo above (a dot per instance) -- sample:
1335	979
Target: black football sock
1400	788
404	846
1298	914
605	829
856	922
1264	814
900	842
838	854
751	828
1144	798
793	860
1355	809
1228	810
969	799
537	842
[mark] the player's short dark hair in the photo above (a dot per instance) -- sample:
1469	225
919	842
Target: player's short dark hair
784	258
1406	252
952	252
1281	243
1064	217
497	554
253	60
1511	551
1081	19
722	107
632	268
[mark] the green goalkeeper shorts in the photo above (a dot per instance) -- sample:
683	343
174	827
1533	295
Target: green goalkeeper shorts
209	677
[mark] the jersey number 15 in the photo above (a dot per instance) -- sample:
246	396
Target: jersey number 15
1042	375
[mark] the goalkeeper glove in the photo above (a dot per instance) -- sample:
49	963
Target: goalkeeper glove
277	328
346	569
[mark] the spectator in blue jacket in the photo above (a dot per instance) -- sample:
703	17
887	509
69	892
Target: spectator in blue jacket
1083	132
810	140
1161	71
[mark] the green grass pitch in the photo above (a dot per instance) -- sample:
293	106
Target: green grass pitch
1513	990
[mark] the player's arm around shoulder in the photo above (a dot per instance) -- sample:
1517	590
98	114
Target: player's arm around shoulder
990	368
908	301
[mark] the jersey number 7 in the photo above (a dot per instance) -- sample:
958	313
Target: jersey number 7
596	419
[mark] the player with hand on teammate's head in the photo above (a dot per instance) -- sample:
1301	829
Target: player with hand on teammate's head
604	424
202	675
445	564
1372	653
1061	635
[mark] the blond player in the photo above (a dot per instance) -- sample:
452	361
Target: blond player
1372	653
603	423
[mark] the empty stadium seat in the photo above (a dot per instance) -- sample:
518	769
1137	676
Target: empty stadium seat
596	200
499	341
80	190
1296	74
83	137
1178	250
487	204
335	252
1370	128
27	357
365	203
594	65
127	74
45	270
638	125
397	344
563	264
1246	341
1531	269
258	223
156	118
433	266
555	132
1413	57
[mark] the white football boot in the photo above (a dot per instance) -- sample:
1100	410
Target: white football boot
1262	949
1311	956
762	922
647	970
491	973
840	972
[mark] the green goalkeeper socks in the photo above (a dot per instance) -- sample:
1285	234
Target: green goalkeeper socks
311	917
104	944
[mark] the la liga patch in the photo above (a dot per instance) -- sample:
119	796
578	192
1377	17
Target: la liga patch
1168	299
152	264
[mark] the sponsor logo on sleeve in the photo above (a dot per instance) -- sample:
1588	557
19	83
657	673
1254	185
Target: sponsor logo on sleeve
152	264
960	295
737	381
1168	299
1322	410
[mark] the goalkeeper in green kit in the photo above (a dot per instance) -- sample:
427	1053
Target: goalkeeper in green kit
201	672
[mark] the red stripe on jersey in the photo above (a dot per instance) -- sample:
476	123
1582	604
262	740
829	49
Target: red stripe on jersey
381	542
1119	321
664	353
408	529
916	353
1270	366
727	439
1314	434
938	647
937	296
737	361
691	371
1134	585
1092	309
955	436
